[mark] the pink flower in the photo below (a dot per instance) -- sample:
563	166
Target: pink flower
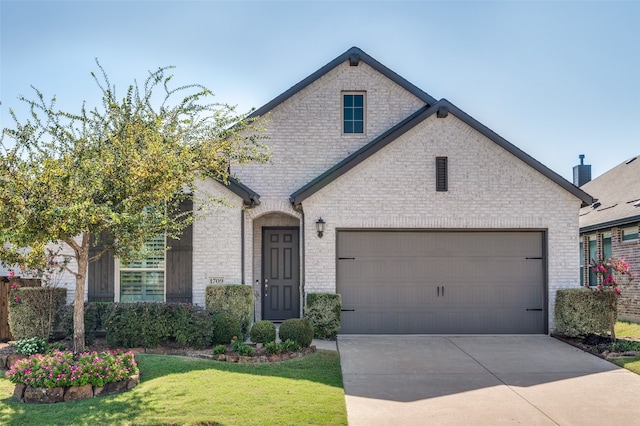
11	274
618	290
16	299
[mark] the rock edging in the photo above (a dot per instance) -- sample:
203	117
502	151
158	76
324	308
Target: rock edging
43	395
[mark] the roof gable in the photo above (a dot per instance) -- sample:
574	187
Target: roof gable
354	56
617	194
249	197
441	108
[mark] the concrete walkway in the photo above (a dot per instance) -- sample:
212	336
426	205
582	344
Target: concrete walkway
482	380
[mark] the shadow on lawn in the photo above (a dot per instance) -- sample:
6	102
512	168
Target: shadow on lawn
321	367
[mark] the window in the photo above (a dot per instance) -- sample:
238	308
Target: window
352	113
144	280
442	180
629	234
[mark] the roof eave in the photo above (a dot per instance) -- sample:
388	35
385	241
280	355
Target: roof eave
610	224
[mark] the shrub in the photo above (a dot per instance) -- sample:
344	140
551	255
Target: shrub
65	369
219	349
245	350
290	346
193	325
225	328
580	312
232	299
273	348
32	346
139	324
323	312
298	330
263	332
32	311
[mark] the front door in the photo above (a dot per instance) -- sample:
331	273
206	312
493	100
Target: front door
280	273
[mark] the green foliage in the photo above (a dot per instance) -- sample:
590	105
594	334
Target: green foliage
273	348
580	312
245	350
298	330
153	324
290	346
193	326
32	346
225	328
323	312
232	299
123	167
64	369
138	324
32	311
219	349
625	345
263	332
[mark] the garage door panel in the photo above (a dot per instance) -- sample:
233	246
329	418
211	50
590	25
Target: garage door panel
441	282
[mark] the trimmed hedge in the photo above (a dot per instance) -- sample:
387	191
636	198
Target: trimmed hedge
263	332
225	328
580	312
232	299
32	311
153	324
297	330
323	312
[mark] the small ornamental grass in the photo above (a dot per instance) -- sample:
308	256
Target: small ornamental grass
65	369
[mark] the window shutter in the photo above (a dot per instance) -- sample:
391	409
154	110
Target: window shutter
442	180
101	273
179	264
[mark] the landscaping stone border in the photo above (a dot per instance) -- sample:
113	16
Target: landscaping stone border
43	395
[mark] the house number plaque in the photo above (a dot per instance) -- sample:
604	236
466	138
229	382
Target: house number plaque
216	280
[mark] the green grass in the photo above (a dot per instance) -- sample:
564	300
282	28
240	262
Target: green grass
181	390
627	329
630	363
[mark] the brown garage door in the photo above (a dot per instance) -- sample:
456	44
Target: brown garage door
442	282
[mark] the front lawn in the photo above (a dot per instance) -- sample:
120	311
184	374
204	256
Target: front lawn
627	329
630	363
182	390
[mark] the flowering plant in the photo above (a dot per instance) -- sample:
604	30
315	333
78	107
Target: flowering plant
611	273
32	346
65	369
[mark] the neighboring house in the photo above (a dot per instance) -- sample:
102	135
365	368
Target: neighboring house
422	218
609	227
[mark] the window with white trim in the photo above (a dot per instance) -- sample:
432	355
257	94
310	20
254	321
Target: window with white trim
353	105
144	280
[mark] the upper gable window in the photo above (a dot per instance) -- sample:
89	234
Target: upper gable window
353	113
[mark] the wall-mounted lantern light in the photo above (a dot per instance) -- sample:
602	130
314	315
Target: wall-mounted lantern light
320	227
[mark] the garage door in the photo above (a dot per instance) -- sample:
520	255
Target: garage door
442	282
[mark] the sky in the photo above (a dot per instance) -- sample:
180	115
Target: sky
555	78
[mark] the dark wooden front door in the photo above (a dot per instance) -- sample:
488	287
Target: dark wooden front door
280	273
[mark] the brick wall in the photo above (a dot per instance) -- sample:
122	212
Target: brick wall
488	189
629	306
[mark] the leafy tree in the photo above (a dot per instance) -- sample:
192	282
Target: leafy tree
123	167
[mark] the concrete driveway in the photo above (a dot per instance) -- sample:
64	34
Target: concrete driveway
482	380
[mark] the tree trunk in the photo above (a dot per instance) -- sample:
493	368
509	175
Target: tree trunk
82	257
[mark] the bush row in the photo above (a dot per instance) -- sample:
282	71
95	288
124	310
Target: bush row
580	312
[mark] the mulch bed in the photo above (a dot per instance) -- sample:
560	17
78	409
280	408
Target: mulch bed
596	345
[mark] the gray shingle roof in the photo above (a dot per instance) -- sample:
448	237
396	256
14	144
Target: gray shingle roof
618	197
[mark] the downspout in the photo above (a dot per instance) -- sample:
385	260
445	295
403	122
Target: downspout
299	209
242	244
